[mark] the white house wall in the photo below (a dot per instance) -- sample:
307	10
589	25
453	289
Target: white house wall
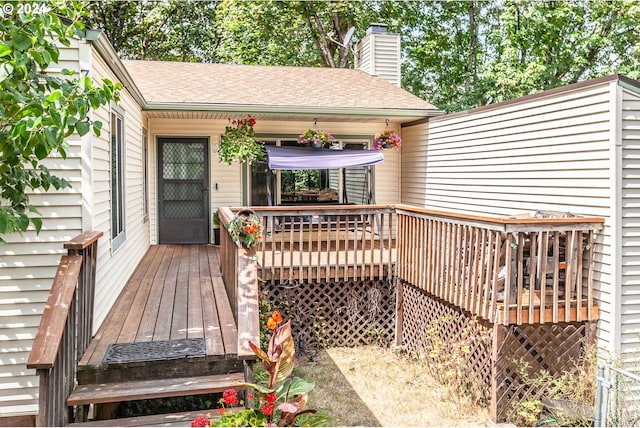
630	225
546	153
114	267
28	263
229	178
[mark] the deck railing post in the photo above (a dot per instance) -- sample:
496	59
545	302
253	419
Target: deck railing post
65	329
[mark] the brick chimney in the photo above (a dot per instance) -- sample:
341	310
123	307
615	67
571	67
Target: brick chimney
378	53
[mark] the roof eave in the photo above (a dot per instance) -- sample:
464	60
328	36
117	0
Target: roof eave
389	113
110	56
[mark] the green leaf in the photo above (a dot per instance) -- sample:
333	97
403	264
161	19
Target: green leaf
97	126
4	50
55	95
21	41
37	223
41	151
82	128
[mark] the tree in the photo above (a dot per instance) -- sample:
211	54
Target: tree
461	55
38	110
163	31
296	33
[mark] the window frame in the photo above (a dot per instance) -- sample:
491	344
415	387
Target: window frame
366	141
117	177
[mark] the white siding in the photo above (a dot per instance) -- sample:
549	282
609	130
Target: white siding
28	262
630	224
547	153
27	266
379	55
115	266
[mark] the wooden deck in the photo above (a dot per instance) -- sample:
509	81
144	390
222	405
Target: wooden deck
176	292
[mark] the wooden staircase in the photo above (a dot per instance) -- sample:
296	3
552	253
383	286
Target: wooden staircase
176	295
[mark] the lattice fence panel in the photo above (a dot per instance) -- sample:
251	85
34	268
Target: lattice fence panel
551	347
346	313
427	319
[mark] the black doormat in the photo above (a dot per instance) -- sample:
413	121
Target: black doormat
154	351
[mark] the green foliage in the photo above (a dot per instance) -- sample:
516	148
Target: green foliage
461	55
238	144
177	30
38	110
568	398
302	33
246	229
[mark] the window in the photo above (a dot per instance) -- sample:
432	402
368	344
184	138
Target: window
117	178
317	186
145	176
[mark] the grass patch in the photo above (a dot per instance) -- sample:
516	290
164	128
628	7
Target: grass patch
371	386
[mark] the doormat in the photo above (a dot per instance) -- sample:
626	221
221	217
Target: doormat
154	351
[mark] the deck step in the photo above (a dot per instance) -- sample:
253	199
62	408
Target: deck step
148	389
182	419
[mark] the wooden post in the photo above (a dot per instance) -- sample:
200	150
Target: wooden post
245	302
499	335
399	309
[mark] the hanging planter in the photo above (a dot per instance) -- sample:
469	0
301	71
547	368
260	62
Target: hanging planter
389	139
239	144
316	139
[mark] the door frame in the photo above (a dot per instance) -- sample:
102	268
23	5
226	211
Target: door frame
159	140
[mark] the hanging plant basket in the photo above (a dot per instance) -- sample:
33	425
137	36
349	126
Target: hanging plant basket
316	139
238	143
389	139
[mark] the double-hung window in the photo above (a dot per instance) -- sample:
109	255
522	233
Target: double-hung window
117	177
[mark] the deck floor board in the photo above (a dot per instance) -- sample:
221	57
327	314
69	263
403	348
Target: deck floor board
172	294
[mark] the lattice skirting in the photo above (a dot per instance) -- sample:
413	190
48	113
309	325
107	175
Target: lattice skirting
427	319
551	347
346	313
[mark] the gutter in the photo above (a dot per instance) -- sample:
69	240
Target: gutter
292	110
108	53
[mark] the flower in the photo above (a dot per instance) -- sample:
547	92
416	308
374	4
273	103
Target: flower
267	409
276	317
245	229
239	144
387	138
315	137
230	396
271	324
271	398
200	421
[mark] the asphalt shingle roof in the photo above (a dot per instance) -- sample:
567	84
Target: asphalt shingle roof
178	82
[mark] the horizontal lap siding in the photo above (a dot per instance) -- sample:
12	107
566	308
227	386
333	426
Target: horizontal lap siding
115	267
630	294
28	264
549	153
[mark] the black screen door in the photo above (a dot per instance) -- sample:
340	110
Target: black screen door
183	197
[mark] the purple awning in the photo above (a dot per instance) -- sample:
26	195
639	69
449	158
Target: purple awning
306	158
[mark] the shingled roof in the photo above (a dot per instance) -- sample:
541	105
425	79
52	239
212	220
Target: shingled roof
178	83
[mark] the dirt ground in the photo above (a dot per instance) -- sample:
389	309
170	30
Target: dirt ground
370	386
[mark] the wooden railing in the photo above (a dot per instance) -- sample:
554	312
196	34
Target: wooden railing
326	243
506	270
65	328
239	272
